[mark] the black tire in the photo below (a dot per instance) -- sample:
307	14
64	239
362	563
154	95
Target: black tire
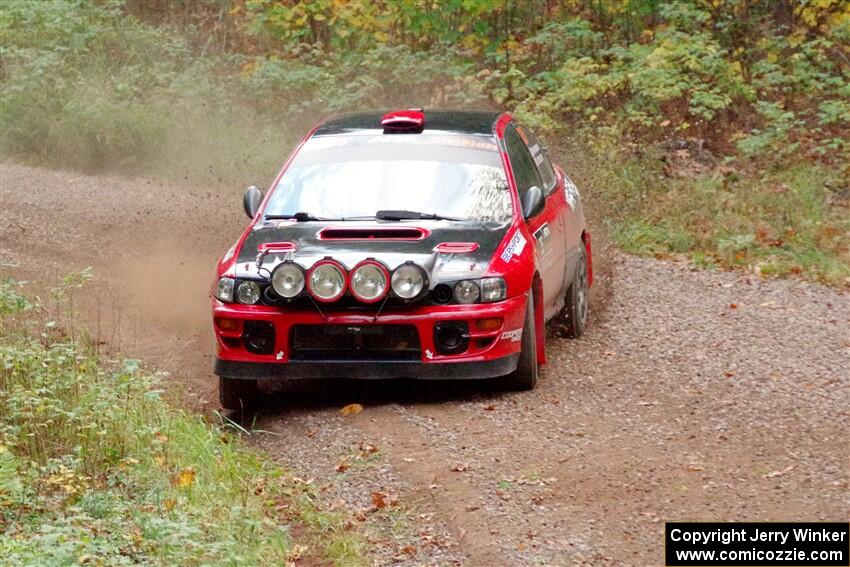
577	308
237	393
525	376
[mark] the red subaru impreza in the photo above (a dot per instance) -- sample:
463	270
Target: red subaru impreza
412	244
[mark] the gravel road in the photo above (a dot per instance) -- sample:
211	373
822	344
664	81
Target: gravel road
696	396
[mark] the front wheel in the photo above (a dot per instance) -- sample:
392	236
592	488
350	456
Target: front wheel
236	393
577	308
525	375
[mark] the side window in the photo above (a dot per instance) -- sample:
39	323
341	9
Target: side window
541	160
522	164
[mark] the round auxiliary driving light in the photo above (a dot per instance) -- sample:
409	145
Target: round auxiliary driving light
248	292
467	291
326	280
288	280
368	281
408	281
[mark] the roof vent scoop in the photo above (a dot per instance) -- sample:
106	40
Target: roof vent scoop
407	121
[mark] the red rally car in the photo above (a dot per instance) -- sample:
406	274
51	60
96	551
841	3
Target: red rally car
410	244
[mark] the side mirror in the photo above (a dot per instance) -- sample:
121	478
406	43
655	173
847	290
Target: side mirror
533	202
251	200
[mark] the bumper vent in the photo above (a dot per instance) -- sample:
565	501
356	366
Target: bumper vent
355	342
258	337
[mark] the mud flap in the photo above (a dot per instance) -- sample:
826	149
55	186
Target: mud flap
539	321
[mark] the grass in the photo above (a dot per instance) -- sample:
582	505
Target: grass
787	219
96	468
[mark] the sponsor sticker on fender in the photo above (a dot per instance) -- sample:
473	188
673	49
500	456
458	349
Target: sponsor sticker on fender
514	247
571	192
513	336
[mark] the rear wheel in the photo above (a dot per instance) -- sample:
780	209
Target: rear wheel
236	393
525	375
577	308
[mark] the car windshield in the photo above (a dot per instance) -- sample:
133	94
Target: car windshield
355	176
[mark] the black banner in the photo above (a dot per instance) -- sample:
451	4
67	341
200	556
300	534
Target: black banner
757	544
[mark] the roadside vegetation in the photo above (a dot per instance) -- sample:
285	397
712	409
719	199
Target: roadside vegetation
96	468
713	130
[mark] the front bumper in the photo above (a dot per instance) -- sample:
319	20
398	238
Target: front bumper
493	351
370	370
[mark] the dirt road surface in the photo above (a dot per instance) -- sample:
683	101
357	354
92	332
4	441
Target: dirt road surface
694	396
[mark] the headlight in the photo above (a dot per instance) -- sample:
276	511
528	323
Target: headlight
493	289
408	281
224	290
467	291
288	280
327	280
248	292
368	281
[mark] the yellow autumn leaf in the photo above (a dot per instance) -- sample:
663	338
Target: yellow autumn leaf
169	504
296	552
351	409
737	68
796	39
184	478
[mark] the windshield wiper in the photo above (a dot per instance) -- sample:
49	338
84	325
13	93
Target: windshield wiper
300	216
411	215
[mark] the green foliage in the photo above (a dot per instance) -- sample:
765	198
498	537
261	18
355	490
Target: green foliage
87	85
761	87
774	139
779	221
359	25
397	75
685	77
96	468
11	299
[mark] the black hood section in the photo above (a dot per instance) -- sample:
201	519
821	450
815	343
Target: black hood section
351	242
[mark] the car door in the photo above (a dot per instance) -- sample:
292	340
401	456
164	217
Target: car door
547	227
556	196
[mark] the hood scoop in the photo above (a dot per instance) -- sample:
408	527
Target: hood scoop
372	233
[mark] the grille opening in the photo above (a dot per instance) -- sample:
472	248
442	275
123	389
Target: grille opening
258	337
355	342
373	233
484	343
